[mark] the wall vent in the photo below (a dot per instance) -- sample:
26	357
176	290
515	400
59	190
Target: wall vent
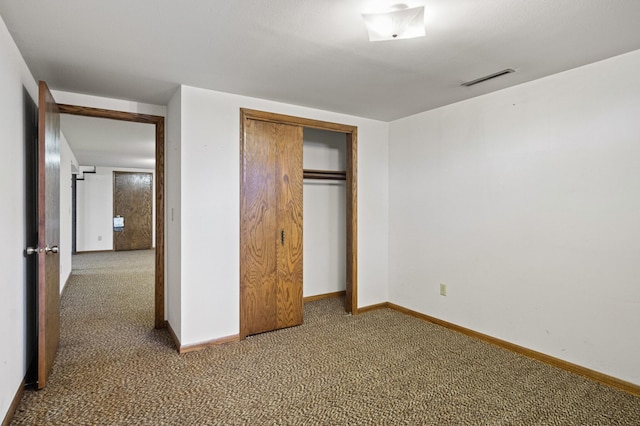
488	77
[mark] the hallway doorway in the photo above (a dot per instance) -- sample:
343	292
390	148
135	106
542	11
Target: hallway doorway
158	123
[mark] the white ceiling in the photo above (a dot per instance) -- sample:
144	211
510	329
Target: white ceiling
312	53
110	143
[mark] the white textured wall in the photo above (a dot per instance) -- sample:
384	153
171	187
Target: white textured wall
80	99
67	161
14	75
173	236
525	202
324	215
94	214
210	206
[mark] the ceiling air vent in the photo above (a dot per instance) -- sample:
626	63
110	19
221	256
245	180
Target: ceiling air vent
488	77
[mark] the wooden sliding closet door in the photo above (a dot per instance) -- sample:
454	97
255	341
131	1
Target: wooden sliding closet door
271	227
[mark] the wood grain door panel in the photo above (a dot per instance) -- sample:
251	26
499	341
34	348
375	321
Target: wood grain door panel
133	200
48	232
289	206
271	227
259	232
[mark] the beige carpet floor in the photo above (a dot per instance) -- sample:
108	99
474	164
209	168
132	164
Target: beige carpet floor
376	368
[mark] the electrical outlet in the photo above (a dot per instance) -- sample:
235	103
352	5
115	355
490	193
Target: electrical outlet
443	289
99	237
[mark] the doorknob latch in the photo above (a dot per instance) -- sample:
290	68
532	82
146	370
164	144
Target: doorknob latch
52	249
32	250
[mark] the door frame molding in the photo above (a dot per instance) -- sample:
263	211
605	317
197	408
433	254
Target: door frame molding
158	122
351	132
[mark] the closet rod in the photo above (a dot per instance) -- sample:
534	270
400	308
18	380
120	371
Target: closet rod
324	174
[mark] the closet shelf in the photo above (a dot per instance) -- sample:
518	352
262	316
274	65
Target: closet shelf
324	174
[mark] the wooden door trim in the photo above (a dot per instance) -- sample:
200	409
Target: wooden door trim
351	290
252	114
351	182
158	122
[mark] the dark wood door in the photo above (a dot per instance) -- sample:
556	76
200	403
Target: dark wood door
133	201
271	227
48	232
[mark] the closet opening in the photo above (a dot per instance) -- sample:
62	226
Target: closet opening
283	157
324	212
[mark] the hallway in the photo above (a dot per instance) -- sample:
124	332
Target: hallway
106	324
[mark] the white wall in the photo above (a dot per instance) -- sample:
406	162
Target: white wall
13	76
173	236
94	208
210	205
525	202
324	213
68	163
80	99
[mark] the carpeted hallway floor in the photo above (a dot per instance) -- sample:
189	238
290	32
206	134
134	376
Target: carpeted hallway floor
380	367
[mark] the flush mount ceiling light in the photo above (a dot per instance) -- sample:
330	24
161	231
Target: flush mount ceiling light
400	23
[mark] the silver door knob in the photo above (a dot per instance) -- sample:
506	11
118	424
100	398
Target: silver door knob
32	250
52	249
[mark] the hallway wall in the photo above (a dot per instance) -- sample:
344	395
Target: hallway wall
67	163
14	75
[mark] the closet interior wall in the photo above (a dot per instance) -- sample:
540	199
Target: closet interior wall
324	211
